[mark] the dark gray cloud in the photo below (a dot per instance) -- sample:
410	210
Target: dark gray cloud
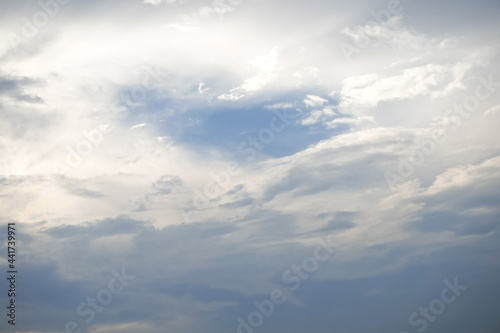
385	301
14	87
363	172
108	227
238	204
340	221
87	193
167	183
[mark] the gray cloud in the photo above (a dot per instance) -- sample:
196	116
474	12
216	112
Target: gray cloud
13	87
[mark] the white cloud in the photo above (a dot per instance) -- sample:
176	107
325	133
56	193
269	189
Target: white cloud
202	88
158	2
191	22
467	175
312	101
267	66
317	116
429	80
278	106
350	121
307	76
138	125
220	7
493	110
328	115
391	32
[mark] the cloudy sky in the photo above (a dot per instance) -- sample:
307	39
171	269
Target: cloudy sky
251	165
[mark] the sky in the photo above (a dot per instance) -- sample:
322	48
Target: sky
250	166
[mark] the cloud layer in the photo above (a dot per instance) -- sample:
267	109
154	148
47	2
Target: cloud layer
209	148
